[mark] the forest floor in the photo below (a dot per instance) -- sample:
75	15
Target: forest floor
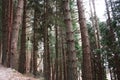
11	74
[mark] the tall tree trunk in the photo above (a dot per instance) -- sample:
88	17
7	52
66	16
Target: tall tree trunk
7	25
93	46
86	69
10	24
0	50
15	33
61	54
46	54
56	49
53	71
71	58
35	43
100	71
22	56
108	25
4	30
117	65
112	38
64	55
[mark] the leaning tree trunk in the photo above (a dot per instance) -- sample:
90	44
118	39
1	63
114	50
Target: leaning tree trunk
86	69
71	58
94	69
15	34
100	71
22	56
116	54
112	38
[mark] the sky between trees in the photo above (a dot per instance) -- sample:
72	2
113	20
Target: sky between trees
100	9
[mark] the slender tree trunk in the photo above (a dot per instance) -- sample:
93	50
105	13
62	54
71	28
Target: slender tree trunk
64	56
10	24
71	58
111	74
56	48
30	66
93	23
96	44
53	71
57	45
117	66
14	35
86	69
1	34
46	54
22	56
112	38
109	25
61	54
4	30
0	51
7	25
99	63
35	44
108	14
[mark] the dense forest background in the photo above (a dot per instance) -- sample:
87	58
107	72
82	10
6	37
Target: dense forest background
53	39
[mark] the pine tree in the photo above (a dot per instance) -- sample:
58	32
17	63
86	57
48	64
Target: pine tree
86	66
14	34
22	56
71	54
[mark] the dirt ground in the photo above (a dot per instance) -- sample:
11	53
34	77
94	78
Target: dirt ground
11	74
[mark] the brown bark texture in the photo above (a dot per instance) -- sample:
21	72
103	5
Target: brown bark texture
71	53
86	68
35	44
15	33
22	55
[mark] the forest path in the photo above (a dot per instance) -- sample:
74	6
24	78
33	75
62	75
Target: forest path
11	74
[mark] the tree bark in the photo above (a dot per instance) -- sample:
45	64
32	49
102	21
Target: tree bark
15	33
86	68
57	52
71	53
35	43
112	38
100	71
64	55
22	56
6	34
0	51
4	30
46	59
